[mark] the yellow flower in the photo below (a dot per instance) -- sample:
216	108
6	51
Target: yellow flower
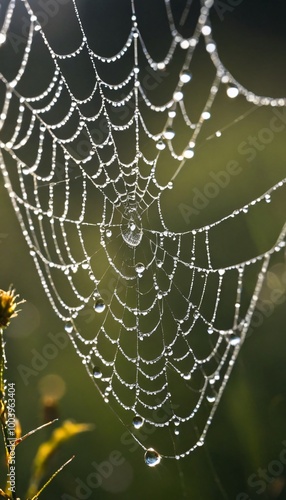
8	306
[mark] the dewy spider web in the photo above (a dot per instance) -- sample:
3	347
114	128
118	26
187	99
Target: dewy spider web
87	162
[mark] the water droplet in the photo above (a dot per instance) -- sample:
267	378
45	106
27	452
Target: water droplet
170	185
139	268
160	145
232	91
99	305
218	133
211	398
206	30
137	422
168	350
176	422
108	233
210	47
188	153
176	432
97	373
161	66
185	77
68	327
188	376
178	95
169	133
2	38
151	457
172	113
206	115
268	198
234	340
210	330
184	44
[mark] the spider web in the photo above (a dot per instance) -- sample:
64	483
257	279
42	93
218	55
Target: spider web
92	143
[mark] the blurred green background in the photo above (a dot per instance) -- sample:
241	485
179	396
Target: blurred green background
244	455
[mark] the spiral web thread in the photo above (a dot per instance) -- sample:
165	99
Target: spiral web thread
87	187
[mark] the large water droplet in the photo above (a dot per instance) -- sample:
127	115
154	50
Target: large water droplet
97	373
178	95
69	327
169	133
188	153
211	398
139	268
234	340
185	44
137	422
160	145
185	77
2	38
206	30
99	305
206	115
152	458
232	91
